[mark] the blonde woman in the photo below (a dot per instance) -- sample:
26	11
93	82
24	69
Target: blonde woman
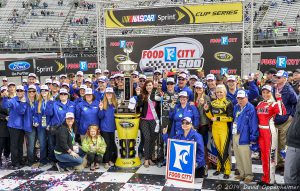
42	121
220	112
108	125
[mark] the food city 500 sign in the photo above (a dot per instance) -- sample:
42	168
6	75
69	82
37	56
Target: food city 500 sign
214	53
189	14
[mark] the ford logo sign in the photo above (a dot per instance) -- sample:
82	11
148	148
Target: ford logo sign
19	66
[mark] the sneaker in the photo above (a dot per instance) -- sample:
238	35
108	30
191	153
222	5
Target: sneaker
92	168
247	180
226	176
216	173
255	155
106	166
111	163
59	168
238	177
97	166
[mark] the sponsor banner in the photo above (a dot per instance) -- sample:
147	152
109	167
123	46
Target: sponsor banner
215	53
49	67
181	160
190	14
288	61
87	65
19	68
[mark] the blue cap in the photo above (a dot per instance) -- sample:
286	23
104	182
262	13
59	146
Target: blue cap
282	73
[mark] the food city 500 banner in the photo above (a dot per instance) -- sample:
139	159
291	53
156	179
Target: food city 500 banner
215	53
189	14
288	61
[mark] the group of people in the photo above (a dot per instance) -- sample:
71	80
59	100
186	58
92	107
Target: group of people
72	119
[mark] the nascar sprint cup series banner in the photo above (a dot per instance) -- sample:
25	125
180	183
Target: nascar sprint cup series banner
189	14
288	61
215	53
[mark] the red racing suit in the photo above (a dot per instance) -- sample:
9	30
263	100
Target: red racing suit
268	136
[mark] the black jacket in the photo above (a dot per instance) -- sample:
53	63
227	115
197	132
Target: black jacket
3	122
293	134
142	106
63	139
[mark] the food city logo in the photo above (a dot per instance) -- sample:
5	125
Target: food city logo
121	44
82	65
181	52
223	56
223	40
280	61
60	67
19	66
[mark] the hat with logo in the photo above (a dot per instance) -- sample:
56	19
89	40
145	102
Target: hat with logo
135	73
200	70
48	81
183	94
56	82
88	91
245	77
184	72
231	78
241	94
142	76
157	71
88	80
37	82
112	77
210	77
194	77
106	71
198	85
32	87
282	73
98	71
182	75
109	90
11	84
70	115
24	81
32	75
44	87
65	84
83	87
170	80
20	88
267	87
79	73
102	79
4	79
188	119
119	75
132	103
3	88
63	76
63	91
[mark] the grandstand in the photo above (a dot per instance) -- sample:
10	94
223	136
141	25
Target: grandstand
38	24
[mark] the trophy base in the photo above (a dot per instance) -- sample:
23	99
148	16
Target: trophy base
128	163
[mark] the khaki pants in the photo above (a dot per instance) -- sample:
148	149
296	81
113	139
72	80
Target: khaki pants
242	155
282	132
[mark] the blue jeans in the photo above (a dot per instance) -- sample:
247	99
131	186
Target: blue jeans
31	137
66	160
51	147
42	136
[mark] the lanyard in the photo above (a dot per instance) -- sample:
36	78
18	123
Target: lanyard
238	114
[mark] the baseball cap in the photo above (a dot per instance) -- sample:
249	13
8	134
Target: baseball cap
231	78
4	79
242	94
210	77
98	71
65	84
112	77
132	103
188	119
109	90
88	91
106	71
19	87
63	91
157	71
48	81
199	70
70	115
102	79
32	87
3	88
24	81
37	82
44	87
182	75
135	73
183	94
56	82
142	76
198	85
267	87
11	84
282	73
194	77
32	75
170	80
88	80
79	73
83	87
63	75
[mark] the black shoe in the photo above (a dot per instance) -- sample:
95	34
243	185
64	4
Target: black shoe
226	176
216	173
236	172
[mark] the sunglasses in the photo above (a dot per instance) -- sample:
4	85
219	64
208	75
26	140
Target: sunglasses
134	76
20	91
44	90
181	79
63	94
185	123
142	80
31	91
3	91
